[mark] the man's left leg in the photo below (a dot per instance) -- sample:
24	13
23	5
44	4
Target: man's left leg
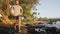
19	23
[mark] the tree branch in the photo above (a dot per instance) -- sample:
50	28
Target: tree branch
5	17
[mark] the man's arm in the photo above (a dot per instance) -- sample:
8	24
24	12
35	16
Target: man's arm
11	10
21	10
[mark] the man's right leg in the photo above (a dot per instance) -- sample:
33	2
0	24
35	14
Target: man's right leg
15	22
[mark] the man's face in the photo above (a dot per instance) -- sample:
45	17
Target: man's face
17	2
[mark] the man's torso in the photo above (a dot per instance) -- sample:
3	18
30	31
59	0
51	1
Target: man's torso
16	9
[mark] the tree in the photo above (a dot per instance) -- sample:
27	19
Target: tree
5	8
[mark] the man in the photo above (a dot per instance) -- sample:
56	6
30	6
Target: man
17	12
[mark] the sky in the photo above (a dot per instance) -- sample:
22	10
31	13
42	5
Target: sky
49	8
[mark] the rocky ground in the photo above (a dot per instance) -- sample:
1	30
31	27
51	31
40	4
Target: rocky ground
29	30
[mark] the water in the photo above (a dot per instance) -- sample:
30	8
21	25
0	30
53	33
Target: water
57	24
54	24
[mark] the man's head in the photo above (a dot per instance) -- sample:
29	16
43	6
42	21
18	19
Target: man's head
17	2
